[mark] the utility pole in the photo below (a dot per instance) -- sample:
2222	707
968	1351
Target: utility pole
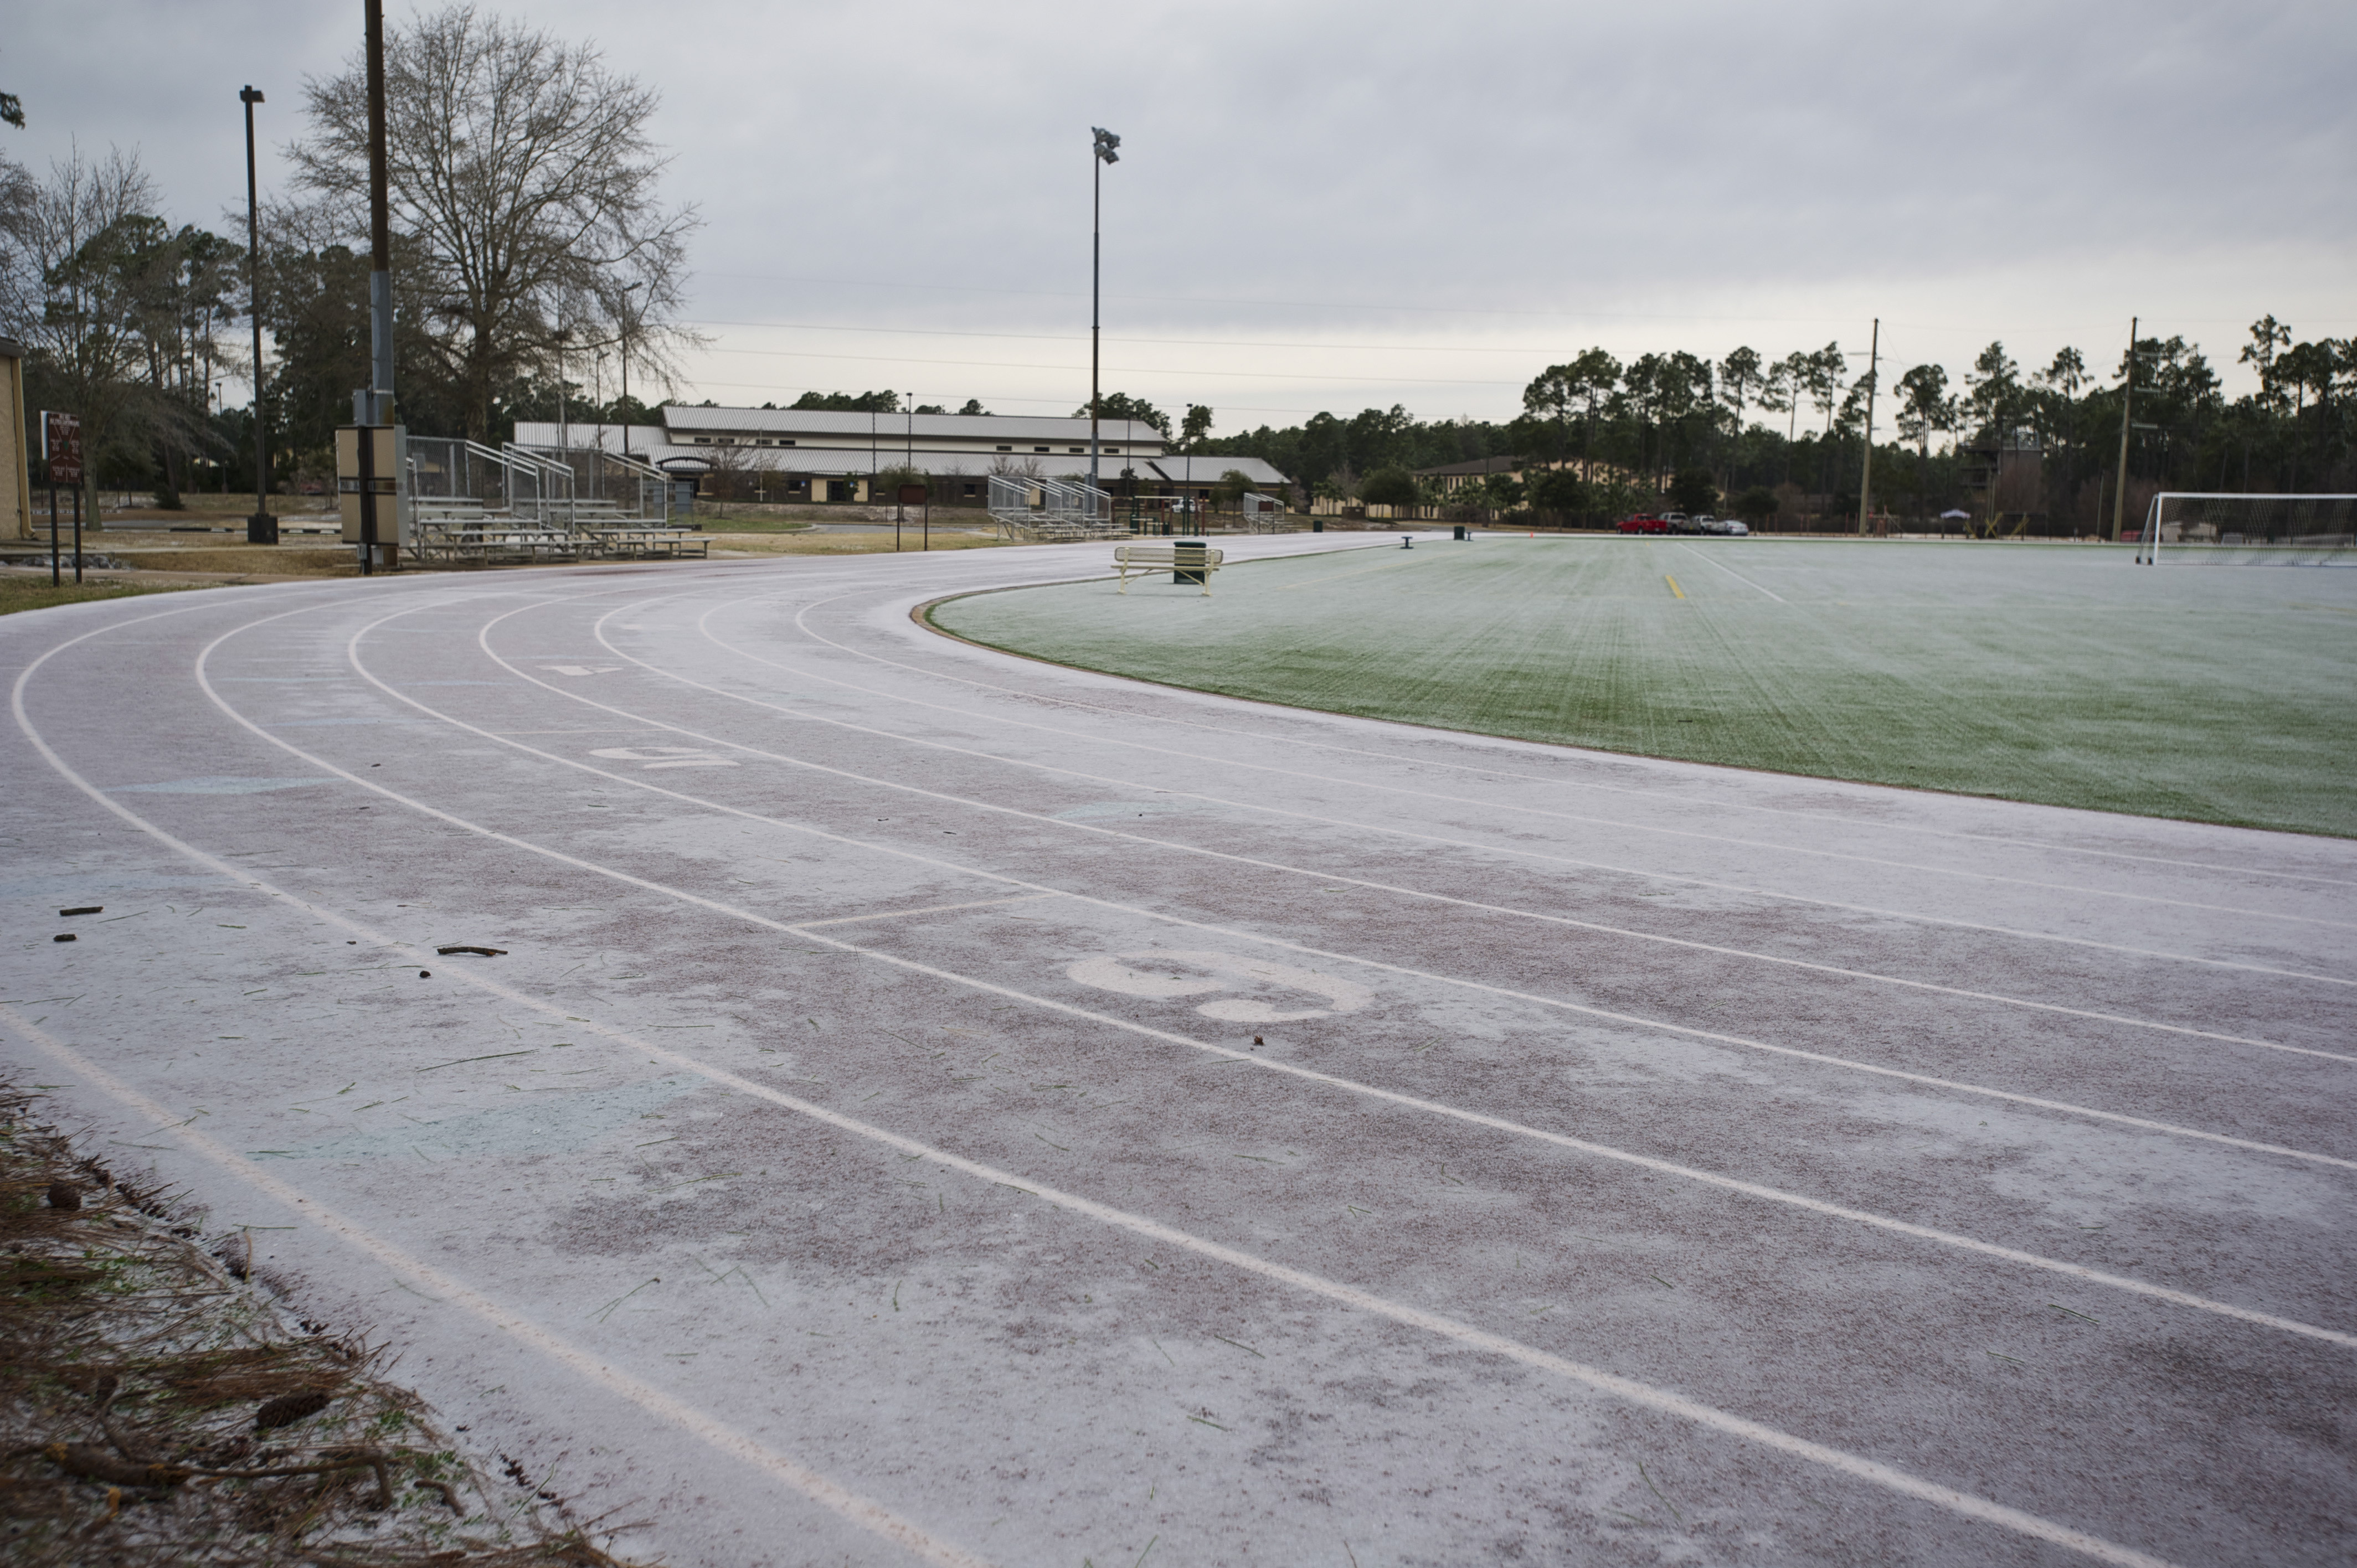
379	227
261	528
1102	154
2127	395
628	323
1872	374
373	407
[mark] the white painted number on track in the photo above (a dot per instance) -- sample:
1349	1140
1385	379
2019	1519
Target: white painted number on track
651	757
581	669
1165	976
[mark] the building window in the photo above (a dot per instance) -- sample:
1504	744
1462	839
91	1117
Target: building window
969	490
1007	448
1080	448
1044	448
783	442
704	441
1113	449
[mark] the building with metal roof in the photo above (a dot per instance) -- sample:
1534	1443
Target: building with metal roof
828	455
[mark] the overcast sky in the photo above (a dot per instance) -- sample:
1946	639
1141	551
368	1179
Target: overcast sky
1331	206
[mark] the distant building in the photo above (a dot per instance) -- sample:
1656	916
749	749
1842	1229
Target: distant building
1453	477
822	455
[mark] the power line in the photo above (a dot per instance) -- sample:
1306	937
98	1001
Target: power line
1119	370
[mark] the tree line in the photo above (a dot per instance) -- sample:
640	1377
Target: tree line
533	253
1600	438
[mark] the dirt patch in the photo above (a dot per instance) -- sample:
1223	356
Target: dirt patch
157	1407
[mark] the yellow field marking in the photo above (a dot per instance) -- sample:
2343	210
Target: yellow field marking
1673	581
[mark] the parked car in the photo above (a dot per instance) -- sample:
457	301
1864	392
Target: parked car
1643	523
1678	522
1734	529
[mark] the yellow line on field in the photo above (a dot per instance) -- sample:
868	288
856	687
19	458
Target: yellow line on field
1673	581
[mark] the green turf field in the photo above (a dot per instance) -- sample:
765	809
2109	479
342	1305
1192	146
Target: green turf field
2057	673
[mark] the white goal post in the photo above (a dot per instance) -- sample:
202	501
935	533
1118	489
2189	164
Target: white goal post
2225	528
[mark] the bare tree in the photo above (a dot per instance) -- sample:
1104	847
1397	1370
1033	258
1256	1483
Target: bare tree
77	268
523	187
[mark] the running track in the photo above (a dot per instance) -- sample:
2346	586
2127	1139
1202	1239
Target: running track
862	1153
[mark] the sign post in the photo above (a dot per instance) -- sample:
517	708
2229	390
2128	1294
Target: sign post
62	450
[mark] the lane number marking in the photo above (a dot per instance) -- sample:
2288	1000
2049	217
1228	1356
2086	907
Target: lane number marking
1225	971
651	757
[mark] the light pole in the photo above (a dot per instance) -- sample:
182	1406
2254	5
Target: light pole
261	528
1865	475
372	406
2127	399
628	323
1104	154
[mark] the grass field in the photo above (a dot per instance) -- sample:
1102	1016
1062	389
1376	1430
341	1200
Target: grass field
2061	674
26	592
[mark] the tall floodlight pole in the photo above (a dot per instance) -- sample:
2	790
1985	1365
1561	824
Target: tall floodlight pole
1873	365
261	528
2127	393
1104	154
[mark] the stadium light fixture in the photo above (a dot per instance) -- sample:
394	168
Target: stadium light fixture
1104	150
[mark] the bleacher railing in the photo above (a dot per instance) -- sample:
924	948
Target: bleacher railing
1046	509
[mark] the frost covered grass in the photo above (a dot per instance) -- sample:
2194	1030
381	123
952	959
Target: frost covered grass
2055	673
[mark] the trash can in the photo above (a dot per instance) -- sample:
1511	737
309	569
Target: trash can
1317	525
1191	557
1462	532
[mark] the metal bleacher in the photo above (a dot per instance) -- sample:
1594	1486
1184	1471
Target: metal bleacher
1052	511
473	505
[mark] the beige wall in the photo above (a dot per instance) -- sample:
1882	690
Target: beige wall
16	466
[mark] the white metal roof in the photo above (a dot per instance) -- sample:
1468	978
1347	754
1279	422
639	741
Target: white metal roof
591	434
1205	468
843	426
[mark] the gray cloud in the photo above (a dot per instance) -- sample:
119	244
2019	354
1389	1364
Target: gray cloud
1475	191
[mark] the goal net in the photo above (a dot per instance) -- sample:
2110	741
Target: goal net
2250	530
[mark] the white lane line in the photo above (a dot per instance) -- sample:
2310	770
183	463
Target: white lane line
1474	740
819	1489
1909	916
1906	915
872	1516
1769	1194
1793	1052
1005	721
1183	846
829	1494
928	909
1731	572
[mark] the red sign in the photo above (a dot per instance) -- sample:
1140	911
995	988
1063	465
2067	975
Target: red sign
61	444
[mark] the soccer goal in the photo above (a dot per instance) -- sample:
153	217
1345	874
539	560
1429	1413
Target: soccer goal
2220	529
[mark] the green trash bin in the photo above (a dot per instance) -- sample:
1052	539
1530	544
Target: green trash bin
1191	557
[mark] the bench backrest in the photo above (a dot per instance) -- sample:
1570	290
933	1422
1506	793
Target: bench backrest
1162	555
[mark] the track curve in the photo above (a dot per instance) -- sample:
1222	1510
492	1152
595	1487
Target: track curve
939	1105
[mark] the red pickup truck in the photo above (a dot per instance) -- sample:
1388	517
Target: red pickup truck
1645	523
